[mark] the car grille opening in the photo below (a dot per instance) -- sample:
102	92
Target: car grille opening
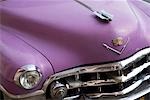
104	80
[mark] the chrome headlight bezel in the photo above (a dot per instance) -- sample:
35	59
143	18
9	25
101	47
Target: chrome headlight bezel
23	76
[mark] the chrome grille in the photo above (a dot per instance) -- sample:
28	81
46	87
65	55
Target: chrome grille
108	79
138	62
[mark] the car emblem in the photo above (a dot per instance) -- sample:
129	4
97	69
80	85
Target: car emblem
117	42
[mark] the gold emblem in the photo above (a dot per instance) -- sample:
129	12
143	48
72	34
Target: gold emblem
118	41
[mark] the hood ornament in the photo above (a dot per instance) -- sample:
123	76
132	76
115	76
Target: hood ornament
117	42
103	15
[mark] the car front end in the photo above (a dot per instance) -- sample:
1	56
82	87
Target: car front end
103	53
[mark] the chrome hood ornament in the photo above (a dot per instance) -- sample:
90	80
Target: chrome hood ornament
103	15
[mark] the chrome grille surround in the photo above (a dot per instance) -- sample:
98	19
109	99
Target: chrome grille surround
116	75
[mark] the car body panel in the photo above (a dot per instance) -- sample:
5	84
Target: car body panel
144	6
69	40
64	34
15	53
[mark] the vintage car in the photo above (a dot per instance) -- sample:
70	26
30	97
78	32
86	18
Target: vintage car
67	49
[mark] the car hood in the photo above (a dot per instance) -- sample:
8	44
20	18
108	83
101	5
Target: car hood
69	35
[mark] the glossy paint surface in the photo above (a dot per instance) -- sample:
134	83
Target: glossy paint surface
15	53
69	35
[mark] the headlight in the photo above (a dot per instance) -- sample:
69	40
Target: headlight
28	76
29	79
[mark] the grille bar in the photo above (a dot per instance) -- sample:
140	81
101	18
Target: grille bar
134	72
135	57
79	84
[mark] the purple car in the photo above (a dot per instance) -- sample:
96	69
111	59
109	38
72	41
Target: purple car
67	49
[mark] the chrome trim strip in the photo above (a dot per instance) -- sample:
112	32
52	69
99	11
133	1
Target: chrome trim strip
134	72
78	84
29	67
112	49
135	85
98	95
72	97
137	95
135	56
85	5
88	69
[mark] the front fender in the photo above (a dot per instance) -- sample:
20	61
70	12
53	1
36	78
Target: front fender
15	53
